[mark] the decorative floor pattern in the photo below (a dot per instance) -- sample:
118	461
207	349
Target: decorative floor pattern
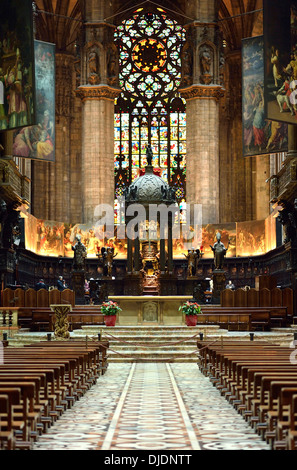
151	406
216	423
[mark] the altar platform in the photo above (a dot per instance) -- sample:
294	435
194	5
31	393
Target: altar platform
150	310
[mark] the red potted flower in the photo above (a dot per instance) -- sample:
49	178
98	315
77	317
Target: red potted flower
191	310
110	310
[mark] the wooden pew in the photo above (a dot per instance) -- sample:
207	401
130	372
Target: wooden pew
259	380
28	394
49	376
292	431
42	318
7	439
284	420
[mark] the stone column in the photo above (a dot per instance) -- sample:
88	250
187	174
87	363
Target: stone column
129	256
97	148
202	89
292	141
162	250
136	255
56	186
98	90
169	244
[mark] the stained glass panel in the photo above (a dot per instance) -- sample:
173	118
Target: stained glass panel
150	110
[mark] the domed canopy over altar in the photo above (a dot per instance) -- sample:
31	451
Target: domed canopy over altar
150	189
150	248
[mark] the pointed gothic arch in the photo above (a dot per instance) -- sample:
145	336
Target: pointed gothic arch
149	109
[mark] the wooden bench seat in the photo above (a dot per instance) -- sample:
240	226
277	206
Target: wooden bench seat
291	438
42	318
26	421
8	400
260	381
49	377
248	318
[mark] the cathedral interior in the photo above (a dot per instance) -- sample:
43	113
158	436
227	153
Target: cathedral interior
112	107
104	116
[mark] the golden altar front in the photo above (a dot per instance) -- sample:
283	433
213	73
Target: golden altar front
150	310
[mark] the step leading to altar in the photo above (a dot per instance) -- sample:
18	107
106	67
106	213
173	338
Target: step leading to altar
157	343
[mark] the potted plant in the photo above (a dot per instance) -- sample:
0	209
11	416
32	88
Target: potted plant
191	310
110	310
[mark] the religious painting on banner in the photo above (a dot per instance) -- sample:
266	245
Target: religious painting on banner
260	136
270	232
91	237
280	46
17	88
38	142
251	238
50	238
30	232
228	238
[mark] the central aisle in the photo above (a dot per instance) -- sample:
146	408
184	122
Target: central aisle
151	406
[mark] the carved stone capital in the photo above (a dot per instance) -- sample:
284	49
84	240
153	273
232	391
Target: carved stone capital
202	92
86	93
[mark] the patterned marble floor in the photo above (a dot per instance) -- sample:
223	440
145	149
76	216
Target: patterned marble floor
151	406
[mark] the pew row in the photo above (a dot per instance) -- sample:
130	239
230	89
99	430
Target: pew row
42	318
244	318
39	382
260	381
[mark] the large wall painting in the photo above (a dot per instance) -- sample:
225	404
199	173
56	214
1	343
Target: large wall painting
38	142
260	136
280	37
228	237
17	108
250	238
49	238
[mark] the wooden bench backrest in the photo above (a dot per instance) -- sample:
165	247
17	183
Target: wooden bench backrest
54	297
7	297
30	298
287	300
19	298
276	297
68	297
265	298
240	298
253	298
42	298
4	404
227	298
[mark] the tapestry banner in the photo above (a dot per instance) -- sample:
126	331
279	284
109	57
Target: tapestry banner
260	135
17	87
280	46
38	142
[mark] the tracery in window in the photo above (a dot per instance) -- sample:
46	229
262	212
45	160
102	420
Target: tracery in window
149	109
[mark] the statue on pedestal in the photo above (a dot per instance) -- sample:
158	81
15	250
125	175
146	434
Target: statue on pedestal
219	282
193	258
219	251
110	256
107	256
80	254
149	155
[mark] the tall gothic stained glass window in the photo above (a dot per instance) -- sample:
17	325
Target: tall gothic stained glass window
149	109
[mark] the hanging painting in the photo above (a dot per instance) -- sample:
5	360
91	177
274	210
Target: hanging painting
280	34
38	142
260	136
17	103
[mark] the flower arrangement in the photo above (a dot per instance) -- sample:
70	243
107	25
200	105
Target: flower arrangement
110	308
190	308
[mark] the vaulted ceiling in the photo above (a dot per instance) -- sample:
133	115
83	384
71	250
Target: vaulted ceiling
59	21
240	19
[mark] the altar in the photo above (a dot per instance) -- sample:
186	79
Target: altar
150	310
